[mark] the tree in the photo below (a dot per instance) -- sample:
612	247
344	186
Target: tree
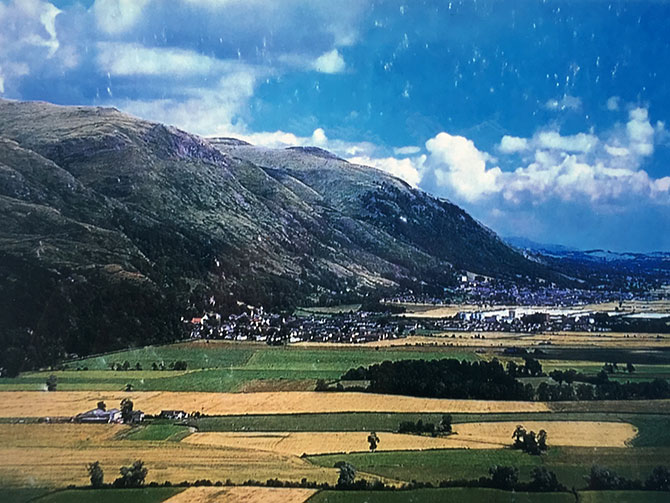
154	366
601	479
504	477
129	387
126	409
132	476
321	385
518	436
373	440
138	366
630	368
544	480
96	475
126	365
659	480
52	382
445	424
542	440
102	405
347	474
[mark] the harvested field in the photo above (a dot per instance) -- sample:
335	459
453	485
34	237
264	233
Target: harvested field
559	433
242	495
68	403
504	339
468	436
55	455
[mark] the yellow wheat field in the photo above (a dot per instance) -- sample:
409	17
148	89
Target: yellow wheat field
242	495
506	339
55	455
468	436
69	403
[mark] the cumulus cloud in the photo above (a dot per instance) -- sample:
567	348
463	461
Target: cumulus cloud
330	62
458	164
511	144
118	16
640	132
581	167
408	170
580	142
29	39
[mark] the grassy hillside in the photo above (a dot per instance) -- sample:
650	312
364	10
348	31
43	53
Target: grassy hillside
114	227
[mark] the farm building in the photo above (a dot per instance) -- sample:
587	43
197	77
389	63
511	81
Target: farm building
173	414
99	416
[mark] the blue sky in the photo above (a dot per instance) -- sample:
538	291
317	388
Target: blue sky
544	119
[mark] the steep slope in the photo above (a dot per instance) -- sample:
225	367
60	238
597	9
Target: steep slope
114	227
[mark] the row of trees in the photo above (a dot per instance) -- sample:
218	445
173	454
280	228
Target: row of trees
126	366
443	428
529	442
131	476
450	378
601	479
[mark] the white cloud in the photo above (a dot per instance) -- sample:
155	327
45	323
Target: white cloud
580	142
409	170
617	151
640	132
319	137
456	163
408	150
613	103
582	167
205	111
511	144
135	59
29	39
330	62
117	16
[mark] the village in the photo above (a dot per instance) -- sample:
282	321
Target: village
361	326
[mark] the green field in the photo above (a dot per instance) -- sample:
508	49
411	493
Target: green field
218	366
571	464
21	495
439	496
158	432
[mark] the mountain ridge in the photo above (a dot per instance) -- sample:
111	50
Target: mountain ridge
117	226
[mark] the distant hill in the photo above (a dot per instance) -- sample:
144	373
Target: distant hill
115	227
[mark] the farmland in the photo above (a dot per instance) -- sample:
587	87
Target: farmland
219	366
264	421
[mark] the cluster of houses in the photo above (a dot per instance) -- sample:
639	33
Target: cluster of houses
256	324
487	292
103	415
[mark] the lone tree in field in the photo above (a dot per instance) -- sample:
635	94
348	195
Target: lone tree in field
445	424
132	476
52	382
347	474
96	475
542	440
373	440
518	436
126	409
